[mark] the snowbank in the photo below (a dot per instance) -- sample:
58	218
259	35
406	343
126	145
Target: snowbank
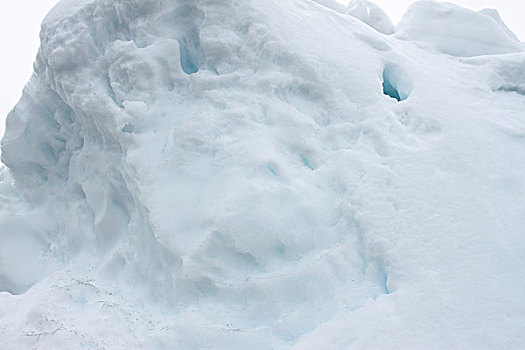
456	31
236	175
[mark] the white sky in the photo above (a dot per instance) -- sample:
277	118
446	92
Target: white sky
20	23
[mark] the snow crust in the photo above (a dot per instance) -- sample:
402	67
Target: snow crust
236	175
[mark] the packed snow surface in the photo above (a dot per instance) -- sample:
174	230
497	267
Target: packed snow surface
266	174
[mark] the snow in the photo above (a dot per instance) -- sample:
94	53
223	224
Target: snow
494	14
456	31
235	175
371	14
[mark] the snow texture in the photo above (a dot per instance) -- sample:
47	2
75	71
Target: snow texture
219	174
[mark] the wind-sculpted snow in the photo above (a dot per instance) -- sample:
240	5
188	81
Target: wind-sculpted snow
370	14
261	175
457	31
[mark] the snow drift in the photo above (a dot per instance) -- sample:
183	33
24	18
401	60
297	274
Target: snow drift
265	175
456	31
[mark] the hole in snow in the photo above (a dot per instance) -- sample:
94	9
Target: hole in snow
128	128
395	83
188	62
389	89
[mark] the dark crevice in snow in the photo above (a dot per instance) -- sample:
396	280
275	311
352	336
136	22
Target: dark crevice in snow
512	88
384	282
395	83
306	162
389	89
389	86
189	19
128	128
188	62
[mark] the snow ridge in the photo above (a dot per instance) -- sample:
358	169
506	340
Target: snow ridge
202	174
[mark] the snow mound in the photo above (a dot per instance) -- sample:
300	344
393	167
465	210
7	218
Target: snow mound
494	14
457	31
332	4
371	14
196	174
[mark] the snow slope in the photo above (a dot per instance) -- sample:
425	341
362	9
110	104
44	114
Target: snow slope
231	175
